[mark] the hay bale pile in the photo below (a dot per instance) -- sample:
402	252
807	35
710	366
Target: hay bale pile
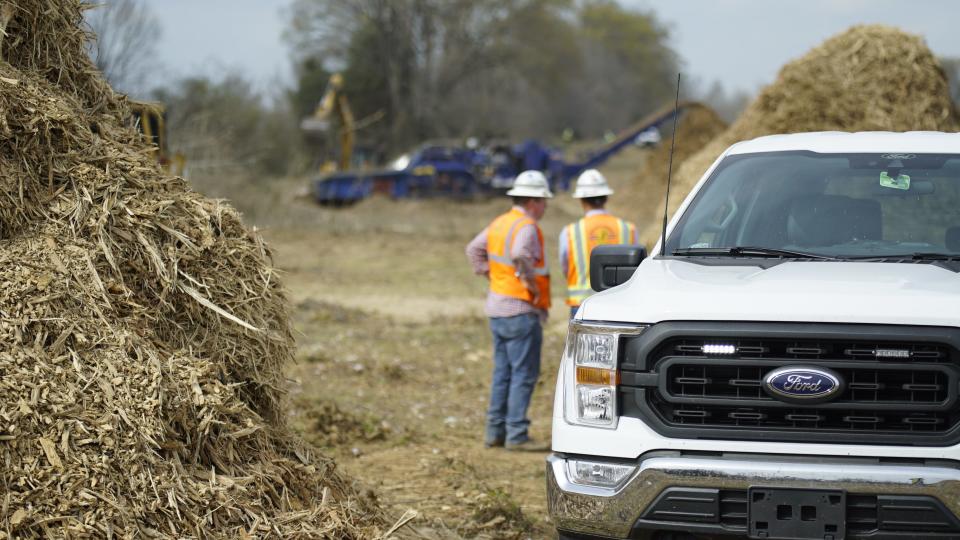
866	78
143	331
638	199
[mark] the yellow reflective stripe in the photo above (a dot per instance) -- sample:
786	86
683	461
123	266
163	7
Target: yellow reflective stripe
624	232
505	259
578	248
583	273
582	289
581	296
542	271
581	248
508	242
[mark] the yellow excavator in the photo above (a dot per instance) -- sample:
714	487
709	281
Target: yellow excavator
150	119
334	104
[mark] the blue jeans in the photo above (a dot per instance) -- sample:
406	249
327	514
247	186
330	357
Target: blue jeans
573	311
516	366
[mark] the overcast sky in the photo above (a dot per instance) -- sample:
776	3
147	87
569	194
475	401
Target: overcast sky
741	43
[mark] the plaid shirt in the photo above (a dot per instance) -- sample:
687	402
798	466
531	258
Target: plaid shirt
526	246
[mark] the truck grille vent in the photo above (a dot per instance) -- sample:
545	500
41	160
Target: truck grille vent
861	513
812	349
896	392
866	514
844	420
870	383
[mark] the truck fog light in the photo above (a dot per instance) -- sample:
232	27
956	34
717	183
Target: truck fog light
592	473
595	404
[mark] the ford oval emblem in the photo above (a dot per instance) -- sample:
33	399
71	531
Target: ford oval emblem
802	384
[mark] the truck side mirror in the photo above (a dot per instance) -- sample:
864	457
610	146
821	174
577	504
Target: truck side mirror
613	264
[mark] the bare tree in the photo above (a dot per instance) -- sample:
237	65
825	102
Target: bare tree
401	56
125	46
494	68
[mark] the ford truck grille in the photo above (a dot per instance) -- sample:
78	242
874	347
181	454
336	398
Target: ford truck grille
901	383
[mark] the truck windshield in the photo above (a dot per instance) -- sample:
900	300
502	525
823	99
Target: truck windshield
830	205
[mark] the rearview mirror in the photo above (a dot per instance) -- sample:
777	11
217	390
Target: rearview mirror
614	264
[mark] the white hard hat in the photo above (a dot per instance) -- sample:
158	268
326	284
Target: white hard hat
531	184
591	184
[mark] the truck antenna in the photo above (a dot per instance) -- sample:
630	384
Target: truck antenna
673	142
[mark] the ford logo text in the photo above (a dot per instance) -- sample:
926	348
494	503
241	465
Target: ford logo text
800	384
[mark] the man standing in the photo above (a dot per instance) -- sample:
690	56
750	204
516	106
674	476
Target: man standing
596	227
510	252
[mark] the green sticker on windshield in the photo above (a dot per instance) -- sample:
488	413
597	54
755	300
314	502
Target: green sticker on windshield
902	181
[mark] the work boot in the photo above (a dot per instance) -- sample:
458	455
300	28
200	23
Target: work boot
493	443
528	445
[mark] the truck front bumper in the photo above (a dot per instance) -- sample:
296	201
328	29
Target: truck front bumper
927	495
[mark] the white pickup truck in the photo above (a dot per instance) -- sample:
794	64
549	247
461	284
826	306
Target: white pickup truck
787	366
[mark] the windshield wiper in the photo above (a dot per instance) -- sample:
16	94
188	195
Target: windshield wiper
746	251
918	256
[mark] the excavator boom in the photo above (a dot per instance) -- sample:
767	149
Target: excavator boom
334	104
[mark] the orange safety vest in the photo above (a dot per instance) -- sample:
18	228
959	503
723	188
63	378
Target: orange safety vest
584	235
503	274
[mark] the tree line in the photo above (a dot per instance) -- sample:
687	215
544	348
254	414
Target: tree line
486	68
429	69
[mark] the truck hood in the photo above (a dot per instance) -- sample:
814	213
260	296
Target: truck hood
793	291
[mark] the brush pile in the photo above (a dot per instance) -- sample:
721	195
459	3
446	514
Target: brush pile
143	331
865	79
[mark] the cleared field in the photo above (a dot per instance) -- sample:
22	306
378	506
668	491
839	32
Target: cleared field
394	356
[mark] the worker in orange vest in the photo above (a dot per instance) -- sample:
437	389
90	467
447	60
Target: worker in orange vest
596	227
511	253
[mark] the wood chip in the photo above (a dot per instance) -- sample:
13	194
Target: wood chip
50	450
18	516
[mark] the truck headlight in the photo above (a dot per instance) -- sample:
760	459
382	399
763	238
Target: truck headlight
590	370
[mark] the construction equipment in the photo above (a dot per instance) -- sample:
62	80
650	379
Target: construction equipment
434	169
452	170
333	104
150	119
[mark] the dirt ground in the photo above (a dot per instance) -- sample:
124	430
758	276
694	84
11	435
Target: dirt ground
394	355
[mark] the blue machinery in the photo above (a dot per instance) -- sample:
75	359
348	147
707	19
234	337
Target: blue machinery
436	170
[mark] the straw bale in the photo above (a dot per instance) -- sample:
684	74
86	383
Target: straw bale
143	330
866	78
